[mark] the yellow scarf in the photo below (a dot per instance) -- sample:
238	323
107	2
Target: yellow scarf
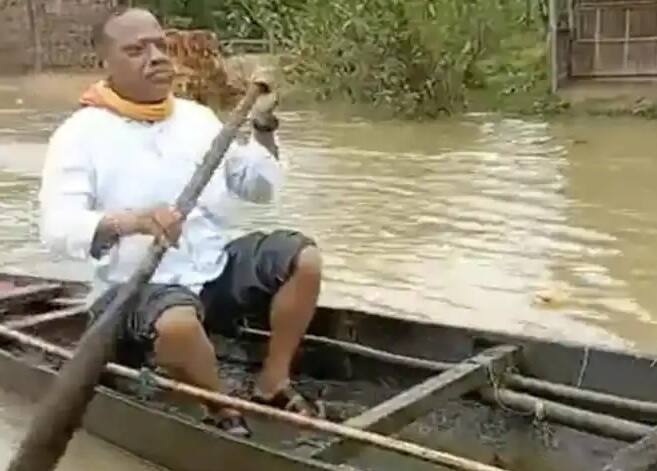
101	95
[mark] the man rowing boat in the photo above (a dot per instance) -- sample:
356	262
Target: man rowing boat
112	173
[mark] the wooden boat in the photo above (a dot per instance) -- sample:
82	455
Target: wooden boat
511	402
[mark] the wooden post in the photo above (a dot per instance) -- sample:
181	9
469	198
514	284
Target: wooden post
553	47
596	44
37	47
626	44
271	42
572	29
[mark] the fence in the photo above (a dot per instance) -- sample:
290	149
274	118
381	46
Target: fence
244	46
603	38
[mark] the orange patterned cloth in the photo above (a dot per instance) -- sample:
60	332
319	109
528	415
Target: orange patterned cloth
101	95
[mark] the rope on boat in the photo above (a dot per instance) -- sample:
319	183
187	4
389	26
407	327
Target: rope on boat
585	364
539	410
374	439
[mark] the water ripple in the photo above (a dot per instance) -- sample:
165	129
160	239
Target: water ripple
458	222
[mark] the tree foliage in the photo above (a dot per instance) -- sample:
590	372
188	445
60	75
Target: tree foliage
418	57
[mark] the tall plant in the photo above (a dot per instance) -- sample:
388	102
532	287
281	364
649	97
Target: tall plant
417	57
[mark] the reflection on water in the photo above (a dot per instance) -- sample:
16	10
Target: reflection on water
461	222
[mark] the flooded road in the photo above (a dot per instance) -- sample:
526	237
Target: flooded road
523	226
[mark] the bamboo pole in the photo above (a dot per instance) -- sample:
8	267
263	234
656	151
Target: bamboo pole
368	352
31	321
380	441
593	422
629	408
37	46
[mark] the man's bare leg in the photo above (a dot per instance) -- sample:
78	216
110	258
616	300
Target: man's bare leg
293	307
184	350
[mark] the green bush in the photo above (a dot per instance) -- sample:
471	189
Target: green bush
418	58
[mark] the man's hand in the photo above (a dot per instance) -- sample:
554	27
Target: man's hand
262	113
164	223
264	76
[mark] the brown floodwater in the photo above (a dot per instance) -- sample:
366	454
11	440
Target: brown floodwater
519	225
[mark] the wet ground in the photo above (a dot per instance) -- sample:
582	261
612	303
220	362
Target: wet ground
525	226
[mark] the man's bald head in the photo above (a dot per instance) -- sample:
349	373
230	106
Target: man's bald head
105	30
133	45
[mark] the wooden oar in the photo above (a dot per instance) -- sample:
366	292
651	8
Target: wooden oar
60	412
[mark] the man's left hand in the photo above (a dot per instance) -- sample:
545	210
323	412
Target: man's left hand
263	110
264	76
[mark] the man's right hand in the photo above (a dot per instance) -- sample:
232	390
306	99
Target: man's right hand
164	223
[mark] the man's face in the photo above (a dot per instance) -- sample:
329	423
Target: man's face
135	51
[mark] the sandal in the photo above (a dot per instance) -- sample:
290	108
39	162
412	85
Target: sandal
234	425
287	398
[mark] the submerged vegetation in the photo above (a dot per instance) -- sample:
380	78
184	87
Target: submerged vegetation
416	58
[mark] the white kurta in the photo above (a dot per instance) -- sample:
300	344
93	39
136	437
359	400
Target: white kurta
98	161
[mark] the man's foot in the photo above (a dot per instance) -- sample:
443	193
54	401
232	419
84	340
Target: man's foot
287	398
231	422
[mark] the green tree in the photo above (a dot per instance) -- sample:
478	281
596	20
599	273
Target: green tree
416	57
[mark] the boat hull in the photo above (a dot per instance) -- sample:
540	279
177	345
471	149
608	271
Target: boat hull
467	425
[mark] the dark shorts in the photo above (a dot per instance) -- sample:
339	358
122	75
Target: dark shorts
258	265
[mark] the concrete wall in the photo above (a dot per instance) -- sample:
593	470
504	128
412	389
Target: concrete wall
65	28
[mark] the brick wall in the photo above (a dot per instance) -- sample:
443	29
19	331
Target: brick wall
65	27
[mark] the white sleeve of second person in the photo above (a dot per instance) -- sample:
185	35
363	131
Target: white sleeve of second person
68	220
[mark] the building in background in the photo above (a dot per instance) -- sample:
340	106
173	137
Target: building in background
603	39
37	34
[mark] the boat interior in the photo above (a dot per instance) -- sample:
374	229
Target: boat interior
511	403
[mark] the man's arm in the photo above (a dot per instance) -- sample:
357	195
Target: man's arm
250	171
70	223
264	126
253	172
267	139
68	220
